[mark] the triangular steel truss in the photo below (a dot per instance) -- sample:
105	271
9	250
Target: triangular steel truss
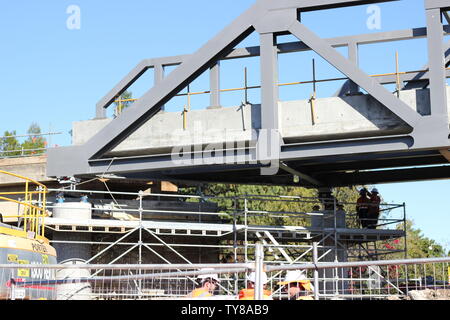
270	19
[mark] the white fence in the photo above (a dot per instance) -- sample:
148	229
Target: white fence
349	280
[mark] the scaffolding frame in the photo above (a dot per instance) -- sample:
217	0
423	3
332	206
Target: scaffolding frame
285	244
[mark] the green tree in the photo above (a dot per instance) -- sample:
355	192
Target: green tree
417	245
9	145
124	101
35	141
268	210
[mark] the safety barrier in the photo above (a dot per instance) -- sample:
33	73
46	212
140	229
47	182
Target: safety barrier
390	279
21	152
31	204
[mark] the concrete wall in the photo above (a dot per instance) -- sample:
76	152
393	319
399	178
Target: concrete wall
335	117
30	167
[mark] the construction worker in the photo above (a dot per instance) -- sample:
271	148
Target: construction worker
362	207
297	286
374	209
249	293
207	285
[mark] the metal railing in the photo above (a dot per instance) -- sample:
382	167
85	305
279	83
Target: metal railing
375	280
23	152
246	87
232	224
31	204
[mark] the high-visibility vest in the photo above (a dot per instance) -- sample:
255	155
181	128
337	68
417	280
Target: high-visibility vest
200	293
362	203
249	294
375	204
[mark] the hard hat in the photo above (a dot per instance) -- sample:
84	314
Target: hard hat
207	275
375	190
252	277
296	276
362	191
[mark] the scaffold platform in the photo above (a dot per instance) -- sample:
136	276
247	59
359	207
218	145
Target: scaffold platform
281	233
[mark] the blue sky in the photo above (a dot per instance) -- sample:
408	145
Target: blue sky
54	76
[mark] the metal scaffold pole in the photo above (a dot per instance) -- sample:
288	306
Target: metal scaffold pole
259	265
316	271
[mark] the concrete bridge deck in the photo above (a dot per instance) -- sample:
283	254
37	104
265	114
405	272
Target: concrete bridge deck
339	120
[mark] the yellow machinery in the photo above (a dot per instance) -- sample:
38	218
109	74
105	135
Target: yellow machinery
25	244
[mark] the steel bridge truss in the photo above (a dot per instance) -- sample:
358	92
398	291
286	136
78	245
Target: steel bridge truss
317	163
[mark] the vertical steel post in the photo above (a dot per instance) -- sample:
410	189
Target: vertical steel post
316	271
13	291
436	62
405	230
259	262
26	209
336	276
159	77
236	276
353	57
246	230
269	82
214	83
141	194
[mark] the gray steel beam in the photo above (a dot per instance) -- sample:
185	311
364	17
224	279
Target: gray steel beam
364	157
290	47
309	5
436	62
222	47
159	76
437	4
61	167
373	88
269	83
388	176
150	103
214	79
349	148
353	57
132	77
370	165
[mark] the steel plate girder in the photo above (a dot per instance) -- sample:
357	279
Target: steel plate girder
220	47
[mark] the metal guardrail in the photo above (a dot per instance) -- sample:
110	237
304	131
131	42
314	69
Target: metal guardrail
22	152
33	201
344	281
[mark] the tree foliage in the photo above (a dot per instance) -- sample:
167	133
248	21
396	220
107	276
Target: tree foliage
34	144
263	205
9	145
269	212
123	102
